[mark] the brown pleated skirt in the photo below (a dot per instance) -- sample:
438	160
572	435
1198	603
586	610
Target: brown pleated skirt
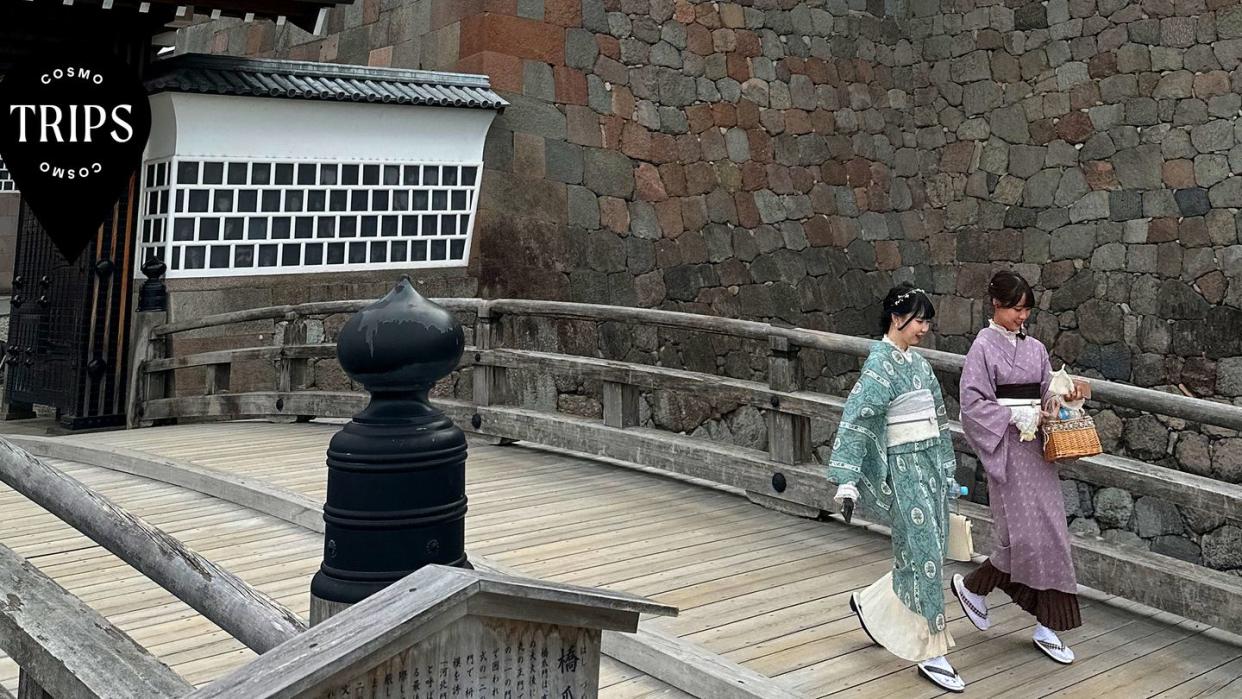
1055	609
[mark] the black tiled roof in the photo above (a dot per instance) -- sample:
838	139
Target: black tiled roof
228	75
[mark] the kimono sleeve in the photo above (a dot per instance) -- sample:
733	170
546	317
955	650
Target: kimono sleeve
946	457
984	420
1045	373
859	452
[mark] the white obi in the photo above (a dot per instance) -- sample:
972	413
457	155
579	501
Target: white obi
912	418
1019	402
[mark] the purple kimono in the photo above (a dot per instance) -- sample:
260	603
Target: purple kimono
1024	491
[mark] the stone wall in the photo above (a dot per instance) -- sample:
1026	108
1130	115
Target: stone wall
789	161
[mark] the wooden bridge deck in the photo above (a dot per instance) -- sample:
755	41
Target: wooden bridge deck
766	590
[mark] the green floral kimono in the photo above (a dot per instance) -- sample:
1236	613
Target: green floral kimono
909	483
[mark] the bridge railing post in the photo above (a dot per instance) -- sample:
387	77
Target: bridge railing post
620	404
396	496
291	371
152	312
789	435
490	382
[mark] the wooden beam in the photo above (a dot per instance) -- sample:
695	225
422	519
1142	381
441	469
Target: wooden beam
320	308
255	494
248	615
186	361
66	648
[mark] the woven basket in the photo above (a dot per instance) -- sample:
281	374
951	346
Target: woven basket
1070	439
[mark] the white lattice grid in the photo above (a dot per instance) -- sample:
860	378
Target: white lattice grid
215	217
6	180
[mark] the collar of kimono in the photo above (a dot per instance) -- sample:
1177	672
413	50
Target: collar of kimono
1010	335
905	353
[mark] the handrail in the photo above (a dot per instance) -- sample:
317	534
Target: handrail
303	309
1123	395
247	614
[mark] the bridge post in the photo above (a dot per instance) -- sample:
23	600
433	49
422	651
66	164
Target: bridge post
490	383
789	435
151	313
397	472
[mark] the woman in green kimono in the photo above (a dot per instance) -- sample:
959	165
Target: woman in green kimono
893	452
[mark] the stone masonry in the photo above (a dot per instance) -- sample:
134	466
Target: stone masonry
789	161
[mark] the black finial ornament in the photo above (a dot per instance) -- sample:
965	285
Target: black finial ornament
397	472
154	295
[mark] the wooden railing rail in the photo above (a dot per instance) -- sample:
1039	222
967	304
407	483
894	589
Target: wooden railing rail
248	615
1207	412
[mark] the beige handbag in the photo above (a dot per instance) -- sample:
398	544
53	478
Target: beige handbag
960	545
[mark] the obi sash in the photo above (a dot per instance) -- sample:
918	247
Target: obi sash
912	418
1019	394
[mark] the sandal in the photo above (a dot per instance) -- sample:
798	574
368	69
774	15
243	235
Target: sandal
1056	651
858	613
947	680
976	617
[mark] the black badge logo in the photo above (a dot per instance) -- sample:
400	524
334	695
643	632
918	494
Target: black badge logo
72	132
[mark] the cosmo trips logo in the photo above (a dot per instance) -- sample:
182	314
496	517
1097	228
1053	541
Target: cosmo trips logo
72	132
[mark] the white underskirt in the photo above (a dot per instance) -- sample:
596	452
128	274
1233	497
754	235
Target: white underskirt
902	632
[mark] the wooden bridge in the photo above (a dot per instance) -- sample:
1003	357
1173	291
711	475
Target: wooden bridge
737	539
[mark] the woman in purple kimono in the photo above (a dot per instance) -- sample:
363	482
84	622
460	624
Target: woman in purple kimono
1003	384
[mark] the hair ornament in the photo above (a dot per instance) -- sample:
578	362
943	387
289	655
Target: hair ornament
901	298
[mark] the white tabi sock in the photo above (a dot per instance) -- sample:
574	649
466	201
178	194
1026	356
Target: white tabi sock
941	662
1043	633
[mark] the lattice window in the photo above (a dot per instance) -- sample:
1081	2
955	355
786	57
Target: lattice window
6	180
223	218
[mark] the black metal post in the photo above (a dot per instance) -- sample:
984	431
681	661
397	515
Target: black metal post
153	296
397	472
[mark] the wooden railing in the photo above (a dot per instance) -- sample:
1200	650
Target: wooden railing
785	476
67	650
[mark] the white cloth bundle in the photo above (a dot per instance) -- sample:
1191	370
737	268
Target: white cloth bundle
1061	385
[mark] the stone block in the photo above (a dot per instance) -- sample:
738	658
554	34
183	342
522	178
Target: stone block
1139	167
1222	549
1113	508
608	172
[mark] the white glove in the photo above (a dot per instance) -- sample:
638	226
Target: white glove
844	491
1026	419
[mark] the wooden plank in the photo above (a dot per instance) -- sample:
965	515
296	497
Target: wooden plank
66	647
1159	670
1225	681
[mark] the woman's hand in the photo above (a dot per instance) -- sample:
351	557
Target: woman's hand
1082	389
